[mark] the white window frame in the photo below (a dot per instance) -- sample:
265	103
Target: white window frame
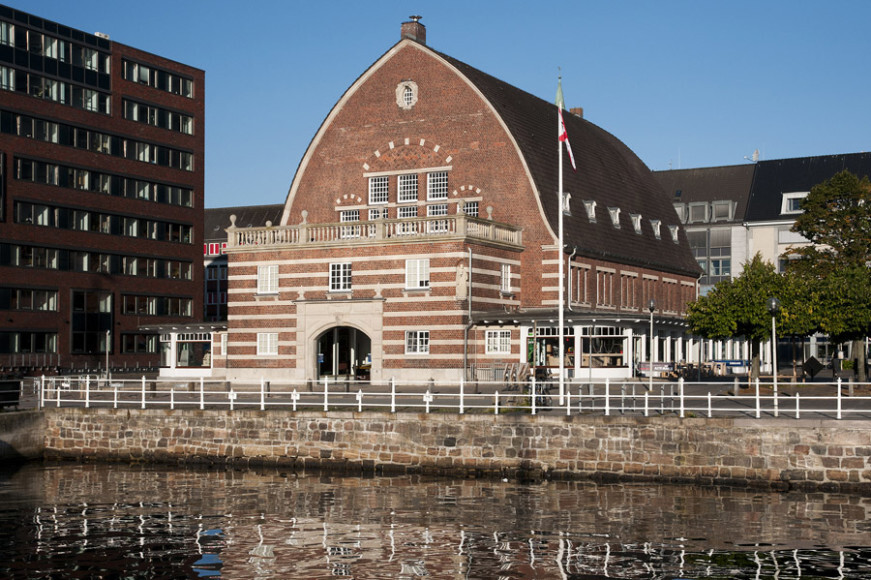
417	274
437	185
340	277
498	342
615	216
788	199
348	216
267	344
505	278
417	342
590	206
267	279
406	185
379	190
656	225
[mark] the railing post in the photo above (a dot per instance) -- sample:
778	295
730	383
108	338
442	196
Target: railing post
839	398
115	396
461	395
607	396
360	400
57	391
392	394
326	394
231	396
496	404
646	403
142	393
568	401
172	396
88	394
41	391
202	396
797	409
710	409
776	403
758	402
427	399
294	397
680	395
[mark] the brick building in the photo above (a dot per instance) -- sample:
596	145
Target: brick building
419	240
101	197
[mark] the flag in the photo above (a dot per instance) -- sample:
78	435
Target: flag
561	130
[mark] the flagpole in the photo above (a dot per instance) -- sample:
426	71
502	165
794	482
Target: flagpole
559	253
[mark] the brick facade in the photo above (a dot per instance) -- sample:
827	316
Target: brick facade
413	121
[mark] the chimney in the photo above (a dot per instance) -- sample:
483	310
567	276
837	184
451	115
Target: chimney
414	30
579	111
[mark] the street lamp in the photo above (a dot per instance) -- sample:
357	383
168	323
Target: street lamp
651	306
774	307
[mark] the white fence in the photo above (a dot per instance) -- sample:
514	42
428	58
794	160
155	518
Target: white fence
685	399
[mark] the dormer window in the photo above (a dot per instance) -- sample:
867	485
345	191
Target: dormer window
615	216
636	222
656	224
674	231
590	206
791	203
681	210
722	211
567	204
698	213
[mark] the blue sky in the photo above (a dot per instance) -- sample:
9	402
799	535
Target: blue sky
683	83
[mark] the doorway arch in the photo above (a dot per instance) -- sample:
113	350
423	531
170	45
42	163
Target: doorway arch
343	352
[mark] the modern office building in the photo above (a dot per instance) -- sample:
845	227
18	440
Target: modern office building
420	240
101	197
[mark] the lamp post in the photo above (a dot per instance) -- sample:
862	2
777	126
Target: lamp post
774	307
651	306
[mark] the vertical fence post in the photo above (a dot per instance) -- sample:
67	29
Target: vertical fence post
231	396
776	403
839	398
461	395
360	400
41	398
427	399
392	394
57	391
202	396
646	403
87	395
607	397
534	396
142	393
496	404
172	396
568	401
681	395
326	394
758	410
797	409
294	397
710	409
115	396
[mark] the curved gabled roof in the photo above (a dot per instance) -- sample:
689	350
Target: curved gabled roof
608	172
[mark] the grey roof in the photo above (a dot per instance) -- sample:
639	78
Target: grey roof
608	172
707	184
216	220
800	174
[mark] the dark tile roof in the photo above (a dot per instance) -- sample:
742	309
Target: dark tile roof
216	220
608	173
707	184
799	174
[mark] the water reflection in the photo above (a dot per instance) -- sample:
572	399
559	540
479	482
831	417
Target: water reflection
109	521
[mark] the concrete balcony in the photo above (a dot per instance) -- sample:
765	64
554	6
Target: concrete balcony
390	231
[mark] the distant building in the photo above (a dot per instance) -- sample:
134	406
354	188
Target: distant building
419	240
732	213
101	197
216	221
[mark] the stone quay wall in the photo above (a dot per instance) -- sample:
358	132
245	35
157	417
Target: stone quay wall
22	435
777	454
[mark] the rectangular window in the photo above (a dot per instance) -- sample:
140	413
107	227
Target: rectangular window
7	78
267	344
340	277
378	189
407	188
469	208
505	279
437	210
267	279
437	185
407	212
417	342
350	215
6	36
417	274
498	342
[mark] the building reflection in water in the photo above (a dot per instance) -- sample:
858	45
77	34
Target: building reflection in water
146	521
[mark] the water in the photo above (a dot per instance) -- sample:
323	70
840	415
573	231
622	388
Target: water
116	521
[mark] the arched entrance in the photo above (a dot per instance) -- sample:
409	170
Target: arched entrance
344	353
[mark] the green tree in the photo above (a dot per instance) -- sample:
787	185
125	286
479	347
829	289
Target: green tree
836	218
738	308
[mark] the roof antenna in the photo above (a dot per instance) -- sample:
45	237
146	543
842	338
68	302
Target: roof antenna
754	158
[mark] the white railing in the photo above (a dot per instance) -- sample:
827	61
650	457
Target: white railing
680	398
376	231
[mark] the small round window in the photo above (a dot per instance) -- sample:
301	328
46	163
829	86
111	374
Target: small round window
406	94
